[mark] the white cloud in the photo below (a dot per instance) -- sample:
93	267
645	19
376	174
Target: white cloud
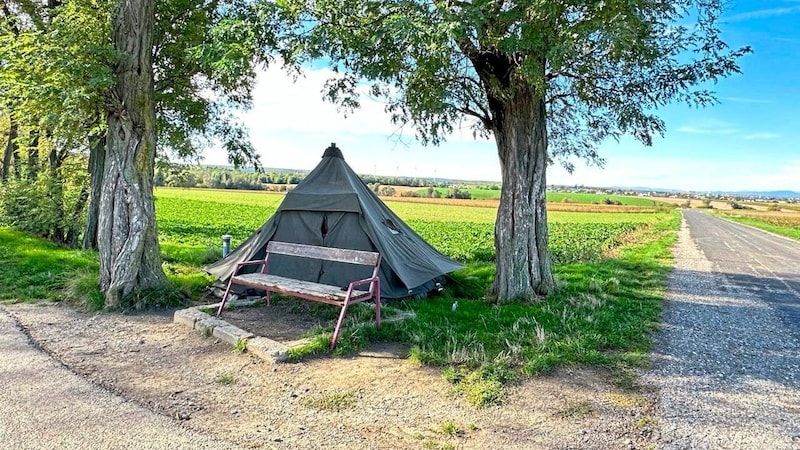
763	13
745	100
706	129
753	136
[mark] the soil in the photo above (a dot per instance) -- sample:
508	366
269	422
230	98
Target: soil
375	399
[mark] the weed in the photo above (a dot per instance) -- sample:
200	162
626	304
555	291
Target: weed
225	378
82	289
331	402
449	427
241	346
577	410
626	401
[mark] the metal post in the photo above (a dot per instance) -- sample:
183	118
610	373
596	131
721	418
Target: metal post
226	245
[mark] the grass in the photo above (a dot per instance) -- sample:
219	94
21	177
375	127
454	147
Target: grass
336	401
225	378
786	226
602	313
35	269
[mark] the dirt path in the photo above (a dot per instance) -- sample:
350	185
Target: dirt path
45	405
384	400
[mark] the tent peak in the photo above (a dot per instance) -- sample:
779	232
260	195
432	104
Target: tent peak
333	151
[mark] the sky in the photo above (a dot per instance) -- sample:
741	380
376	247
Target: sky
749	141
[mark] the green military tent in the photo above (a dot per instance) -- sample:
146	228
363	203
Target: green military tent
332	207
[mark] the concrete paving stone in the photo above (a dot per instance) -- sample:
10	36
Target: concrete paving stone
189	316
267	349
206	326
231	334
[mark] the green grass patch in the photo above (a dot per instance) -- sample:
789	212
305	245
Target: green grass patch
335	402
590	198
33	269
602	314
785	228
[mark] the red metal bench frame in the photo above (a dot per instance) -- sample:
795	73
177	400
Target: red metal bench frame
333	295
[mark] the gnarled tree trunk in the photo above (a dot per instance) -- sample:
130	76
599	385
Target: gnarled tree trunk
130	258
524	268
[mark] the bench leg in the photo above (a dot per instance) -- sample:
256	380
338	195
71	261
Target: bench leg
338	326
225	297
269	298
378	304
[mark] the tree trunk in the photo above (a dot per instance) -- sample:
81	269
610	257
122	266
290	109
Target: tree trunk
130	257
55	192
33	156
97	158
10	150
524	268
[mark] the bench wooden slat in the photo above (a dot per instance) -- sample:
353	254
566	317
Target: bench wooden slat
327	253
289	286
318	292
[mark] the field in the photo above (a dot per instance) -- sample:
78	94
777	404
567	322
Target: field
193	221
610	271
785	222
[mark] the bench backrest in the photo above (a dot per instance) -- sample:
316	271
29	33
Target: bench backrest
327	253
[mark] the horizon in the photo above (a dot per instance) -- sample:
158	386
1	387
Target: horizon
745	143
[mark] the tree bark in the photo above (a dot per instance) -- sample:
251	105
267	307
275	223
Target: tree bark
56	193
524	268
10	150
97	157
33	156
130	257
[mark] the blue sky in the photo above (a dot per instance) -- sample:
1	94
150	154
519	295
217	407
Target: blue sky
748	142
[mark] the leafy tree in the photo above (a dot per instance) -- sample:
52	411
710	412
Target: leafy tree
73	75
548	79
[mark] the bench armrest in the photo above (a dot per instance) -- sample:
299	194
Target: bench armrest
369	280
247	263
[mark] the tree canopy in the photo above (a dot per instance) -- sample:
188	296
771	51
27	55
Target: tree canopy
604	67
548	79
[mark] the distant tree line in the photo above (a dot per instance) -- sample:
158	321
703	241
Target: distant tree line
175	175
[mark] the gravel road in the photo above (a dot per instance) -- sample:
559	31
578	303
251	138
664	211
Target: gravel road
46	406
727	362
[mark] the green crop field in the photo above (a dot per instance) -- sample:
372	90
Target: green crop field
194	221
558	197
587	198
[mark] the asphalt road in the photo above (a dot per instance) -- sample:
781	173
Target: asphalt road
727	359
763	265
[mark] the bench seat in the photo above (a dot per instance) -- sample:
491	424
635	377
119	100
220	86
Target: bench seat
289	286
318	292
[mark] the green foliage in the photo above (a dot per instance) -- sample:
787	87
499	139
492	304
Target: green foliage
192	221
602	68
591	198
159	297
225	378
51	206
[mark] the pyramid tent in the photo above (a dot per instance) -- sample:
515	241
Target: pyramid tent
332	207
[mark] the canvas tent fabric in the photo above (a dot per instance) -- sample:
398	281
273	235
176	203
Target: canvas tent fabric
332	207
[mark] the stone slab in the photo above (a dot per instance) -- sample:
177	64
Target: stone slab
267	349
189	317
206	326
231	334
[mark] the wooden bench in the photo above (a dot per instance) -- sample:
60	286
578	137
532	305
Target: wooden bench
334	295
